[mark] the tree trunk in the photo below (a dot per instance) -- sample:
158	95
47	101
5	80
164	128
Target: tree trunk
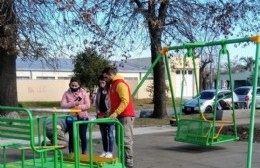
8	88
159	96
8	53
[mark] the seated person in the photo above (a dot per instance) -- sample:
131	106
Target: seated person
61	131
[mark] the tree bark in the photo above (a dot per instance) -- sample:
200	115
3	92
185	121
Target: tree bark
159	96
8	54
8	88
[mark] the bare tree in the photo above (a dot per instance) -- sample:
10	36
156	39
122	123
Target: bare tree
53	28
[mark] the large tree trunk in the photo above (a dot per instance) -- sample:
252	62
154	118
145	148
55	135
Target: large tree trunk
8	89
8	52
159	97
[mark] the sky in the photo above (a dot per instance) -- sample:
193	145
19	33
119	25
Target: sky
238	51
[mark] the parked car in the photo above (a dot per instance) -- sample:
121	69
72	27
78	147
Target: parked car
244	94
146	113
207	98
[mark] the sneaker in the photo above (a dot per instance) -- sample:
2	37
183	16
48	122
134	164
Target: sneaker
108	155
103	154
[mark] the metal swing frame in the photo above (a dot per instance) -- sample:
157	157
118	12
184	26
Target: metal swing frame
205	134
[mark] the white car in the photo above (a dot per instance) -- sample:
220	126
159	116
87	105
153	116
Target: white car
207	98
244	94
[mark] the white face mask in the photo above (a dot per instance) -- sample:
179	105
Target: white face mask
102	85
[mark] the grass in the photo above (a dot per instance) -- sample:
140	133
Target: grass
148	103
138	104
146	122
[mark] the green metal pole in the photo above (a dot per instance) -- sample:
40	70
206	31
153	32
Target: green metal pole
213	43
182	82
146	75
252	114
196	80
76	143
39	131
232	94
171	88
55	141
216	95
90	145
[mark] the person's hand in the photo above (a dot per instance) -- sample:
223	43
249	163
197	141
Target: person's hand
82	114
74	114
113	115
76	103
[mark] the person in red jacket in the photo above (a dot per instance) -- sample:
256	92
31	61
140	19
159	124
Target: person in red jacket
122	109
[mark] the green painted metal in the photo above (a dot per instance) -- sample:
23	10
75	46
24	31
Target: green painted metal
120	141
158	58
210	140
252	115
23	129
213	43
196	78
223	43
182	82
232	94
55	160
171	88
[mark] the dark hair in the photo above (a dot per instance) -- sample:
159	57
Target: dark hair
101	77
75	79
110	70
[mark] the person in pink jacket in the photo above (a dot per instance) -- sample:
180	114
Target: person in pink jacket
76	97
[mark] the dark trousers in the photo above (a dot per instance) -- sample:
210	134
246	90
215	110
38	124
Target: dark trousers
83	137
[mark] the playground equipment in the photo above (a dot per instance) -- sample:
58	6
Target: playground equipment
203	131
19	133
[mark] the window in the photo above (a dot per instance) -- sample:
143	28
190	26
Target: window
22	77
258	91
206	95
189	72
242	91
220	95
45	77
178	72
64	78
227	95
130	78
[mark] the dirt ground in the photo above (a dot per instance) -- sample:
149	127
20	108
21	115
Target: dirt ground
243	132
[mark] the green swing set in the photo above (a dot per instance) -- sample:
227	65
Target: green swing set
202	131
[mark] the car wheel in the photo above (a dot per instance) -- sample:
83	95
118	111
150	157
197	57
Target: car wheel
236	106
208	109
186	112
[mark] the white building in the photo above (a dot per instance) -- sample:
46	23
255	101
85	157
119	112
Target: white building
37	81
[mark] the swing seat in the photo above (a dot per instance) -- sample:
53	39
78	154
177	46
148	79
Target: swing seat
199	132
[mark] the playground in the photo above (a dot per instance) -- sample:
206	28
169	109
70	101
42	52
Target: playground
158	149
196	142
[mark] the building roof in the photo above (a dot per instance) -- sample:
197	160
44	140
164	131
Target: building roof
131	65
42	65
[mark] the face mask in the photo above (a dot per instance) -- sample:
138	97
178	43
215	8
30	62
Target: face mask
74	89
102	85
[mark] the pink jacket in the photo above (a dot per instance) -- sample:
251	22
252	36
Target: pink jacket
69	98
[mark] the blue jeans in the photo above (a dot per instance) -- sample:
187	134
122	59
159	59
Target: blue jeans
82	134
107	134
